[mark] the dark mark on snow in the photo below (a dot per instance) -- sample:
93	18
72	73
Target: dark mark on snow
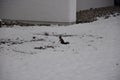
54	34
34	37
23	52
117	64
39	47
46	34
15	42
44	47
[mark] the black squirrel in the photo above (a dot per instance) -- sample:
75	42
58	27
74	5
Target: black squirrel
62	41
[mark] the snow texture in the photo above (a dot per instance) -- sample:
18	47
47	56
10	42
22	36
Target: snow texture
35	52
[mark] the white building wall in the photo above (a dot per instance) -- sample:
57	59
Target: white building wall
39	10
87	4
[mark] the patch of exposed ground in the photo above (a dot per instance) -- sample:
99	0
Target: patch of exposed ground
91	15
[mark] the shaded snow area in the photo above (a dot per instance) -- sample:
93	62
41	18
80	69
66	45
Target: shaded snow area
36	53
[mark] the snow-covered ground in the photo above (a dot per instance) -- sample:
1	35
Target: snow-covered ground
35	52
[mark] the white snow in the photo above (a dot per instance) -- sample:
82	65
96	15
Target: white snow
93	52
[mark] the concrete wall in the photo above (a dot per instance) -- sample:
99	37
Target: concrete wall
87	4
39	10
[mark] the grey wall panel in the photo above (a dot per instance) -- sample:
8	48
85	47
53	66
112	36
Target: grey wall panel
39	10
